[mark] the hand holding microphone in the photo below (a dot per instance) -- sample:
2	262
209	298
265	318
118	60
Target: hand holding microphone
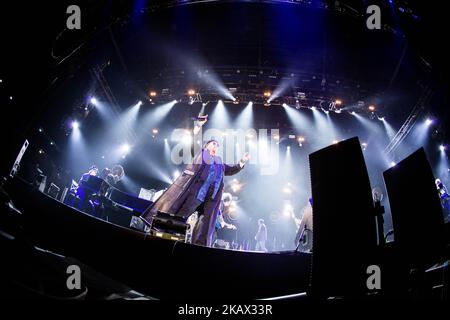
201	120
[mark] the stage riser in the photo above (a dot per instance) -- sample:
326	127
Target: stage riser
158	267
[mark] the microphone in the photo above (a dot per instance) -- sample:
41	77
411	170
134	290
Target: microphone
199	118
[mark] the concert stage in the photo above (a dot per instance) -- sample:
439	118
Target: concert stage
215	150
162	269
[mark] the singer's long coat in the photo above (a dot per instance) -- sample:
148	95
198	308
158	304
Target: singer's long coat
187	185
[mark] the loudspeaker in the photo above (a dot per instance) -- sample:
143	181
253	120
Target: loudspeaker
416	210
344	229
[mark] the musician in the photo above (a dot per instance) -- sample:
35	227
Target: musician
220	235
443	196
93	171
116	175
199	188
82	193
261	236
105	172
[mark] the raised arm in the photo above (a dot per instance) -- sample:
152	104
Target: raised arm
232	170
197	127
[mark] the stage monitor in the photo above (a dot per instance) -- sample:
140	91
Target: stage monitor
416	210
344	229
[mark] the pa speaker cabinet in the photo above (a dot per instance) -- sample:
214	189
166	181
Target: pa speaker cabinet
344	236
416	210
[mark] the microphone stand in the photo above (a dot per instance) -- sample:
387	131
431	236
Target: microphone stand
300	239
379	211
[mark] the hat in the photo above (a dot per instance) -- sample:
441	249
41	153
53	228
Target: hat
209	141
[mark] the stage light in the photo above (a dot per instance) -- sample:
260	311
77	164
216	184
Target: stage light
236	187
125	148
442	148
191	92
10	98
301	139
372	108
428	122
75	125
287	190
364	146
52	143
288	210
41	151
155	131
267	94
382	119
276	137
153	94
139	103
353	113
93	101
176	174
393	164
285	105
165	140
338	102
335	141
187	138
41	130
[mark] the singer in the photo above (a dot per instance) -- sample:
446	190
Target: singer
199	188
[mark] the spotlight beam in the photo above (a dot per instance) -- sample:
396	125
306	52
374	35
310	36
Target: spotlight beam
220	117
245	118
297	118
282	87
